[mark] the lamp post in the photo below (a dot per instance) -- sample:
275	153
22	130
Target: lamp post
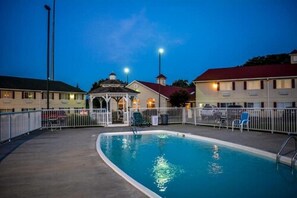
53	41
161	51
126	70
48	51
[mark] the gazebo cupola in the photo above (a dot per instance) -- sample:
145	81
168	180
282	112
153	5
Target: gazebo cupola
112	76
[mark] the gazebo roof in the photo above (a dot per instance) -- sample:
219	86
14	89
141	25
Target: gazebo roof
113	90
112	83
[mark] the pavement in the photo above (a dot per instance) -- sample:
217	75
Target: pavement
65	163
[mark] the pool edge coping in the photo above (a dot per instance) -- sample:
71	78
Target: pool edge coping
129	179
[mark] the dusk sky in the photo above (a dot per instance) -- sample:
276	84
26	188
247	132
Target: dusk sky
96	37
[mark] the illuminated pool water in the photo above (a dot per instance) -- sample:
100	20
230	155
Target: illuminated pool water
173	166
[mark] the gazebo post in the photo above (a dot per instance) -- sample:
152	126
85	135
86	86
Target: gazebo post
91	104
107	99
127	108
100	101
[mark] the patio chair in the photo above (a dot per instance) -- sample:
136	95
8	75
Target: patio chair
244	120
138	120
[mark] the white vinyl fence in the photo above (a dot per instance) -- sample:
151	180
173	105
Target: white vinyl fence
16	124
261	119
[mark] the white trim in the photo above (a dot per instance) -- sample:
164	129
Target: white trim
245	79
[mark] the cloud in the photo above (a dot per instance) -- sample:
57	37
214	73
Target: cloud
129	36
123	39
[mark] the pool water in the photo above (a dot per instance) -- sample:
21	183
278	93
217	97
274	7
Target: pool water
173	166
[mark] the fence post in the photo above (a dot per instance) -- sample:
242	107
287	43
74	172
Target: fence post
195	115
272	119
28	122
183	115
9	128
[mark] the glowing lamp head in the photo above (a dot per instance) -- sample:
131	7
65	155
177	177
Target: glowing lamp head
126	70
161	51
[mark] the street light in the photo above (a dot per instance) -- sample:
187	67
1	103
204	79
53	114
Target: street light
126	70
48	51
161	51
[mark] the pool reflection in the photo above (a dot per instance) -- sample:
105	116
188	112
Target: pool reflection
164	172
214	166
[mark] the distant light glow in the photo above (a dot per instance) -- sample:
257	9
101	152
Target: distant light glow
126	70
215	85
161	50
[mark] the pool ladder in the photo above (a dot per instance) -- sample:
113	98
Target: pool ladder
134	130
293	159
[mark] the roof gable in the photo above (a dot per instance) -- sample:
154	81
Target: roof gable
246	72
166	91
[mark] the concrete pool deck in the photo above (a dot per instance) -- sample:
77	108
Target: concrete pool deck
66	164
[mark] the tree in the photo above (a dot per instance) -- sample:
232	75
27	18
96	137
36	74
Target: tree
97	84
179	98
268	59
182	83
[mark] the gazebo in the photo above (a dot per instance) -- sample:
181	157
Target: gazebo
112	91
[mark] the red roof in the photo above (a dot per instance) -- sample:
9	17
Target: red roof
165	90
245	72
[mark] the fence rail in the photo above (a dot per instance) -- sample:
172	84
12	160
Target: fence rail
15	124
261	119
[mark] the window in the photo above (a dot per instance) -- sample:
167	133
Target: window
253	84
121	104
150	103
282	105
44	95
64	96
7	94
284	84
6	110
135	103
28	95
226	86
78	96
28	109
224	105
253	105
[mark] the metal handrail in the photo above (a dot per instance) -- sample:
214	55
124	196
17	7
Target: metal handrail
293	160
134	130
284	145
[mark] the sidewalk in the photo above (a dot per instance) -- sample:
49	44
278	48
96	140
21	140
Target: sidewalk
66	164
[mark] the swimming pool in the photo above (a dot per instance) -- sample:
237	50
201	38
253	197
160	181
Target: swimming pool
171	164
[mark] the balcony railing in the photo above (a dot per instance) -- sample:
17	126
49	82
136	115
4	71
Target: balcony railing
261	119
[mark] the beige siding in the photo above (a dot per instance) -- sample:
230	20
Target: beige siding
38	103
146	93
207	94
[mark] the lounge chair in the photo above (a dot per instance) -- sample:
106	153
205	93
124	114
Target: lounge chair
244	120
138	120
